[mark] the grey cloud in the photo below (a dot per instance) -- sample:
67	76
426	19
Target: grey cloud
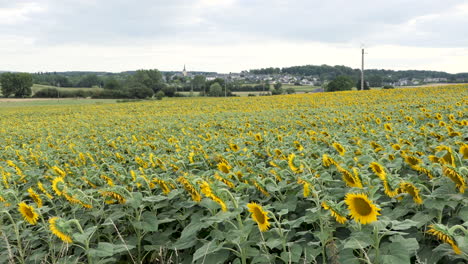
122	22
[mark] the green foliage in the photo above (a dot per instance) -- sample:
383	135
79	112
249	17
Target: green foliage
340	83
112	84
366	85
388	87
152	79
17	84
138	90
90	80
215	90
290	90
159	95
198	82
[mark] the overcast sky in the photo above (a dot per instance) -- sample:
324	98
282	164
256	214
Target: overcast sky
231	35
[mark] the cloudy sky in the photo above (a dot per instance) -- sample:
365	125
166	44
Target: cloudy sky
231	35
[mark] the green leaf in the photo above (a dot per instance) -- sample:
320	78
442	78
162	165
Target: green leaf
206	249
403	225
358	240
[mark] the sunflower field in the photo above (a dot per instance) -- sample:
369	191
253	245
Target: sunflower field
374	176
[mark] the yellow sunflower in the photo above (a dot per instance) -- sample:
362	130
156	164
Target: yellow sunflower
362	209
338	217
37	199
55	229
292	166
352	180
341	150
55	183
234	147
448	157
442	234
388	127
456	178
412	161
412	190
379	170
224	167
259	216
327	161
464	151
28	213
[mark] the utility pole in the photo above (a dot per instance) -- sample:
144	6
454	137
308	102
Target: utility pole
362	71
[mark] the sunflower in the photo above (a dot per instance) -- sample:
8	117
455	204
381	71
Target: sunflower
258	137
259	216
388	190
464	151
352	180
412	161
224	167
115	196
339	148
292	166
55	229
442	234
55	183
306	187
362	209
456	178
448	157
412	190
388	127
190	189
338	217
327	161
379	170
37	199
206	190
28	213
234	147
396	147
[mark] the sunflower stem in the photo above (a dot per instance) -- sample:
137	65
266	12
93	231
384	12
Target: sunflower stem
18	238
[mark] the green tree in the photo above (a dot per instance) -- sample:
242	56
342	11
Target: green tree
340	83
366	85
152	79
139	90
198	83
215	90
375	80
18	84
112	84
278	85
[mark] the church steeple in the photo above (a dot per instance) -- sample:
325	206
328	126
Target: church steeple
184	72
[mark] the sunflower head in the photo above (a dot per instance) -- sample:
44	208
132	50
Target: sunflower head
341	150
57	226
442	233
361	209
259	216
379	170
412	190
464	151
234	147
28	213
455	177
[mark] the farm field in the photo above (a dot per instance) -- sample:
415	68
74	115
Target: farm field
375	176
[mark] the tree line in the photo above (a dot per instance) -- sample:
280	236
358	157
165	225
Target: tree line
327	72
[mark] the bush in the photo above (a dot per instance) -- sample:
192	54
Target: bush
388	87
290	91
159	95
47	93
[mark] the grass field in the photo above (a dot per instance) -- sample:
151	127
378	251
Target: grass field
375	176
